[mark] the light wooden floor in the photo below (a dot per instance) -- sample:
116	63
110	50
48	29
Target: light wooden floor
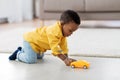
52	68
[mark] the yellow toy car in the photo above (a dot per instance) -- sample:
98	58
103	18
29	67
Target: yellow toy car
80	64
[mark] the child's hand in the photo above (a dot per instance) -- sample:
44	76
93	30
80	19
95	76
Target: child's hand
68	61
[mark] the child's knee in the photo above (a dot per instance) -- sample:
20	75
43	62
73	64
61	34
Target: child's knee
31	61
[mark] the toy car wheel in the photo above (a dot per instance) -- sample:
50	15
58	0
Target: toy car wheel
85	67
72	66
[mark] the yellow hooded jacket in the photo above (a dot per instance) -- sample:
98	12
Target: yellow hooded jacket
48	38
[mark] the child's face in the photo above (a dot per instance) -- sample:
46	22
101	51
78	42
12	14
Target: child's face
69	28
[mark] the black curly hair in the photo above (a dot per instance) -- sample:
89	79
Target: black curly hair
68	16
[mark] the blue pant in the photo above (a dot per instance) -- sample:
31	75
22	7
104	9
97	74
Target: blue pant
28	55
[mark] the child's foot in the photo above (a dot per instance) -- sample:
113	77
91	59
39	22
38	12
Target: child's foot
13	56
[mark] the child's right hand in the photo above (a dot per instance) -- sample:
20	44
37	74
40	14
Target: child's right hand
68	61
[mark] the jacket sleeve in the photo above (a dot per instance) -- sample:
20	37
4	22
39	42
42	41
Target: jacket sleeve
54	43
63	45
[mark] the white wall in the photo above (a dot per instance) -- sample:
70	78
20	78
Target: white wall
16	10
4	5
